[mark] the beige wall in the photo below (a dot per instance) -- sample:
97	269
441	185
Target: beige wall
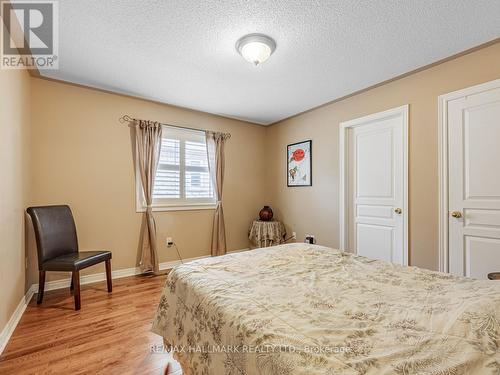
14	185
315	209
82	156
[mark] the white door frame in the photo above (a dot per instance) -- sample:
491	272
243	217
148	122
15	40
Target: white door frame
343	158
443	163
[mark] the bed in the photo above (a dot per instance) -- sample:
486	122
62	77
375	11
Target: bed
306	309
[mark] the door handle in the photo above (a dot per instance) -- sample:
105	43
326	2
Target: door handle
456	214
398	210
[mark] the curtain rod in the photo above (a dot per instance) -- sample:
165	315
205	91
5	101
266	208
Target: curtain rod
127	118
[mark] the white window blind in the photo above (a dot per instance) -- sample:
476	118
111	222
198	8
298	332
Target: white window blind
183	178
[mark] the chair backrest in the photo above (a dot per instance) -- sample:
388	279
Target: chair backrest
55	231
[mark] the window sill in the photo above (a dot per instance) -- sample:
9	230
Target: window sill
194	207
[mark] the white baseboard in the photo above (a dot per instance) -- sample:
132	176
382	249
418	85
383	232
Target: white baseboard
87	279
117	274
238	251
11	325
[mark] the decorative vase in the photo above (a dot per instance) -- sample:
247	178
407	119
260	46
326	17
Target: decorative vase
266	214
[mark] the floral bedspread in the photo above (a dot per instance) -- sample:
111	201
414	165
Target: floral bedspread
306	309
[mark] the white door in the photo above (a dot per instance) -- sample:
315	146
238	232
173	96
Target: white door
376	173
474	182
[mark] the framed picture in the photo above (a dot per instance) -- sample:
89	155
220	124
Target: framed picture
299	161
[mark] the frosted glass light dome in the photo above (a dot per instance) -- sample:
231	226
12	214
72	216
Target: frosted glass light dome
255	48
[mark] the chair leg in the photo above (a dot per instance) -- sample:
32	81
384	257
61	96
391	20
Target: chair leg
71	286
108	276
76	283
41	286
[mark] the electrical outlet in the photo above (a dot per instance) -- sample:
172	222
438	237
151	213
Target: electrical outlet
310	239
170	241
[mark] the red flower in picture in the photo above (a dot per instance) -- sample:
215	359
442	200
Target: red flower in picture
298	154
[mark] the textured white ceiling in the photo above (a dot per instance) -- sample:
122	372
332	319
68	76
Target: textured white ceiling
182	52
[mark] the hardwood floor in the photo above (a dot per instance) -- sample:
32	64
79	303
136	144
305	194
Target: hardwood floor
110	334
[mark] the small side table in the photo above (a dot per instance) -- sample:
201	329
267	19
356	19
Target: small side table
267	233
494	276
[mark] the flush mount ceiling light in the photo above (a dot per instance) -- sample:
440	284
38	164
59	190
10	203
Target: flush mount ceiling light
255	48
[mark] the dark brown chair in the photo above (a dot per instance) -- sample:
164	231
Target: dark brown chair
57	247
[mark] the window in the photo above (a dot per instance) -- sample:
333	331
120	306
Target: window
182	179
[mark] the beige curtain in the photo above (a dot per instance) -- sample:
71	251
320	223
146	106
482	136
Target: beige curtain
215	150
148	145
